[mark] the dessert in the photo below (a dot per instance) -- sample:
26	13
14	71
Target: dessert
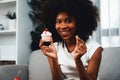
46	35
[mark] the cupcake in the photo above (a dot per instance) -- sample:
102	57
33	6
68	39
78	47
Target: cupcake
46	35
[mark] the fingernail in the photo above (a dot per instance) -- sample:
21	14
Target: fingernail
76	35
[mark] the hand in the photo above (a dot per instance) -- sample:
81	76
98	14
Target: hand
50	50
80	48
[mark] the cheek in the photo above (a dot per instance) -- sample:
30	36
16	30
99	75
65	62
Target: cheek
73	27
73	30
56	27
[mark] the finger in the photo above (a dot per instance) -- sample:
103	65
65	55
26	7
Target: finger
43	49
51	43
84	47
80	51
51	40
80	40
41	43
47	49
77	41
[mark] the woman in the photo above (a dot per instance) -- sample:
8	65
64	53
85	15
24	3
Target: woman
72	54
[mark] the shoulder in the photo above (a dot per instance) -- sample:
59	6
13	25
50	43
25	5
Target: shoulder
92	43
92	47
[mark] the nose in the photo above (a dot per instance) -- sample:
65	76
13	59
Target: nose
63	25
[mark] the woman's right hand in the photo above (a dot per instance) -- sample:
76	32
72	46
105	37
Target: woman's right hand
49	51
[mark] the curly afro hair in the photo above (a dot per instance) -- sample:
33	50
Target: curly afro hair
84	12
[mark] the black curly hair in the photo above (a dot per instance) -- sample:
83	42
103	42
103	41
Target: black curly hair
84	12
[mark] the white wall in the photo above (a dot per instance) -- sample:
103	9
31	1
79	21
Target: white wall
24	28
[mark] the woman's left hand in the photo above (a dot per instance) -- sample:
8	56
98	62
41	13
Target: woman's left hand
80	48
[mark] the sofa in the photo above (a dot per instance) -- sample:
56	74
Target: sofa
38	68
8	72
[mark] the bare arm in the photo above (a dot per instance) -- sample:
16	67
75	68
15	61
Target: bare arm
55	69
51	54
93	66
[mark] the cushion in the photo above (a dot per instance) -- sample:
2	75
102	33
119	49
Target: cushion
8	72
39	68
110	65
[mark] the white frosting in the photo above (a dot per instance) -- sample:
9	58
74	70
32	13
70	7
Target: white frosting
46	34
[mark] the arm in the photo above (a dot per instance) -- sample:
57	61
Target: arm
51	54
93	66
55	69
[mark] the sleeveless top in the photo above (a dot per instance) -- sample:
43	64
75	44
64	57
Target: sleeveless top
66	60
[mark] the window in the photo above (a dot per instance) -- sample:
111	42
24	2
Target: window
110	23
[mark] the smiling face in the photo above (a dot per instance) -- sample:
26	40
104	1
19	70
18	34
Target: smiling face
65	26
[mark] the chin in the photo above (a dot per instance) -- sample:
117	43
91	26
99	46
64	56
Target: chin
65	38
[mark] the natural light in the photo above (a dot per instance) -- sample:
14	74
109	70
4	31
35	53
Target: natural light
110	23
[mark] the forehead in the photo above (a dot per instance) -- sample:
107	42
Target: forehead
63	15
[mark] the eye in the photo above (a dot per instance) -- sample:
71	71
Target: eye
58	21
68	20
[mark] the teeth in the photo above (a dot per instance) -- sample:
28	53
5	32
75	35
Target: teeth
64	32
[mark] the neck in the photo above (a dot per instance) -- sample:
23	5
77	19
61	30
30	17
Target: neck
70	44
